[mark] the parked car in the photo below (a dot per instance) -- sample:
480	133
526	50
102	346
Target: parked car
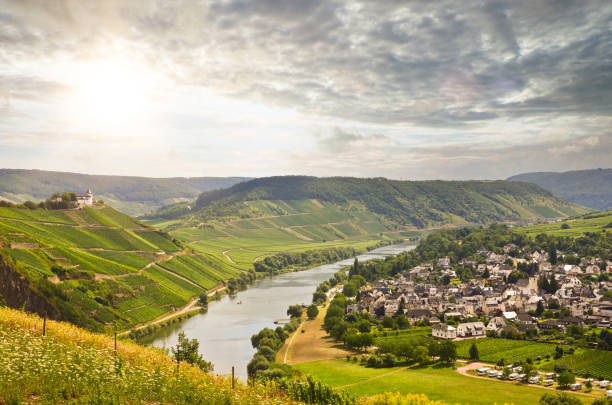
609	393
576	386
534	380
604	383
550	376
548	382
483	371
513	376
493	373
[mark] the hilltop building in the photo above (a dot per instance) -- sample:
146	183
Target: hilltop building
85	199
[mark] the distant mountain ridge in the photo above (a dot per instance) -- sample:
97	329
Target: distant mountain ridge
130	194
418	204
590	188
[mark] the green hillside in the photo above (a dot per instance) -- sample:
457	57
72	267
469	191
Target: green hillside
261	217
130	194
575	226
590	188
97	266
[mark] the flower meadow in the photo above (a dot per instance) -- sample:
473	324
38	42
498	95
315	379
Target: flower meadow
72	366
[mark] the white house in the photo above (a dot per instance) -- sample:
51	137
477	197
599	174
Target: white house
471	329
444	331
85	199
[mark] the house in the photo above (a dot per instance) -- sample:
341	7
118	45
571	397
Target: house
471	329
496	324
416	315
85	199
443	331
510	315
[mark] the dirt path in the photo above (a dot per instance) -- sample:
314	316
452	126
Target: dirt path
313	344
296	233
463	370
159	266
227	256
192	305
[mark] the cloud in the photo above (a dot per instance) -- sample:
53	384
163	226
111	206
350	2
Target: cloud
434	82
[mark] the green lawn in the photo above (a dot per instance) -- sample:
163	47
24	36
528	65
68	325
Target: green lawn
442	384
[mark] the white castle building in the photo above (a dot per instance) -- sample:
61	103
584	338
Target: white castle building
85	199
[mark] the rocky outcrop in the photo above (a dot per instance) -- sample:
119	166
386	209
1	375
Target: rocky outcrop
19	293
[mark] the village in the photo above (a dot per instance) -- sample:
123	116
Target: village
495	303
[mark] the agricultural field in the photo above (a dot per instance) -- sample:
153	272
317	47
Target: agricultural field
593	222
284	226
597	363
443	384
100	266
491	350
412	335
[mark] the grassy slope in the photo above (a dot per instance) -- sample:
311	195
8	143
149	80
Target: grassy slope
70	365
303	225
439	384
114	249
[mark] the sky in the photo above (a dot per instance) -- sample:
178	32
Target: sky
400	89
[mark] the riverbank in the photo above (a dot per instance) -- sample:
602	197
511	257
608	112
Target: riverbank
224	331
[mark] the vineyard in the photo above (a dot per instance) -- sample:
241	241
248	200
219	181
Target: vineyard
491	350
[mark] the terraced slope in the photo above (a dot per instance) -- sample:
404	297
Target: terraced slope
97	266
278	214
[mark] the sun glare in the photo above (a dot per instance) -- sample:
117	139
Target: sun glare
110	95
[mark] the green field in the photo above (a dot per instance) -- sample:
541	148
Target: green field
412	335
443	384
491	350
285	226
594	222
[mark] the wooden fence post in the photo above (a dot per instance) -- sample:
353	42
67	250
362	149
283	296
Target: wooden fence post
44	325
233	380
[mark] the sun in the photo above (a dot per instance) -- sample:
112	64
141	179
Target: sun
110	94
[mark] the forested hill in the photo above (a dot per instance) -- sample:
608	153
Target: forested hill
130	194
406	203
590	188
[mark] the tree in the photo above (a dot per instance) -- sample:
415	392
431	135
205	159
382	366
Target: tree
474	352
203	300
565	379
401	307
602	401
558	352
420	355
349	290
187	350
559	399
447	352
486	274
539	309
312	311
295	311
552	253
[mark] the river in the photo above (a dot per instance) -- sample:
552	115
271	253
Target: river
225	331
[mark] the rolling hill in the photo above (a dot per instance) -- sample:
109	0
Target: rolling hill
97	266
590	188
266	216
132	195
